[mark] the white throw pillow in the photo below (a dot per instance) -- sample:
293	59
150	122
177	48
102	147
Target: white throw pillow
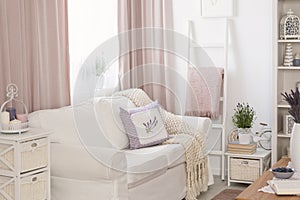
107	110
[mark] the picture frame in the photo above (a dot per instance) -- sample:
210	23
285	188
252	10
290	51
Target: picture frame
217	8
288	124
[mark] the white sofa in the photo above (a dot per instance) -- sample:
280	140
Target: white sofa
89	161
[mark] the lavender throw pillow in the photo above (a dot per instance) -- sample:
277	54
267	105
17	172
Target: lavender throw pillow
144	126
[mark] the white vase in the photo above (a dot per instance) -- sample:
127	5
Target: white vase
245	136
295	146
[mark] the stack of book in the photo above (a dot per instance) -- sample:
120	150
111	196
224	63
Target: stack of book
237	148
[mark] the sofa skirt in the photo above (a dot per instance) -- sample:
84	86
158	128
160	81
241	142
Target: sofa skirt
169	186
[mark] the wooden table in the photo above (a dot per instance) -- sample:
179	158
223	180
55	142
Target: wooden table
251	192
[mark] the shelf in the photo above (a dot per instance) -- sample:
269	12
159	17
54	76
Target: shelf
289	41
283	135
283	106
217	126
284	77
280	134
289	68
216	152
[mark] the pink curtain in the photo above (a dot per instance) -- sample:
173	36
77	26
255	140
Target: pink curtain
146	68
34	52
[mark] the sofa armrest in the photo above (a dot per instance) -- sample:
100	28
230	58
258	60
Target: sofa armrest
200	123
75	162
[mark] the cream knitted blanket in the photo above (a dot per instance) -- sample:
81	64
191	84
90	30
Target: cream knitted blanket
192	141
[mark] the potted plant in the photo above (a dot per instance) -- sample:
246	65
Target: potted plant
243	119
293	99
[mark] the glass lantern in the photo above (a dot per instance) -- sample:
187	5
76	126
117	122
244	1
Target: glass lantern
289	26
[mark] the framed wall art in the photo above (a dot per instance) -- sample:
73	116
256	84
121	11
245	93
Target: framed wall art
217	8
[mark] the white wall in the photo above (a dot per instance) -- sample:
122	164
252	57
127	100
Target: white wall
250	68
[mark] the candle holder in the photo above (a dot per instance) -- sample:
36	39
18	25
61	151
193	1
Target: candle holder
289	26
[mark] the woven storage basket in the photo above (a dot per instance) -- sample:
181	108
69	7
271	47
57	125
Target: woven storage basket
7	185
34	155
244	169
33	187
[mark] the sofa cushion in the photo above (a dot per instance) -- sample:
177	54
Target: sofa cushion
147	163
141	169
174	153
144	126
107	110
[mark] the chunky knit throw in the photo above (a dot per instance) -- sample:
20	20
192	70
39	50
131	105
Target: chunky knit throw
190	138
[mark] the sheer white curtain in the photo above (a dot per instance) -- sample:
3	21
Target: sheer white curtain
34	51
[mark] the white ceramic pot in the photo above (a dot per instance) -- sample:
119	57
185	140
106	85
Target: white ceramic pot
295	146
245	136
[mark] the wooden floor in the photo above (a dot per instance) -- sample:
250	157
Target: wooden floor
219	185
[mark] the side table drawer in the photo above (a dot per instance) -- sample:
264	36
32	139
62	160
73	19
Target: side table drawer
32	187
33	155
244	169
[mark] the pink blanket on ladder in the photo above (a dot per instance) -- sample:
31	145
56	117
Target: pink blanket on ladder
204	91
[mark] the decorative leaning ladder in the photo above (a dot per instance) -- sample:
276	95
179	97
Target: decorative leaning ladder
220	125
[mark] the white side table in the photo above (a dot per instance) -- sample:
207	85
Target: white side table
25	165
244	168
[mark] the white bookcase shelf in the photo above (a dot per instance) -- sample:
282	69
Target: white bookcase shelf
288	41
281	135
289	68
285	78
282	106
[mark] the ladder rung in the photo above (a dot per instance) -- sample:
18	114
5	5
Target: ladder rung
217	126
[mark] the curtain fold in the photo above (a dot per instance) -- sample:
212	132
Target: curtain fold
34	52
146	68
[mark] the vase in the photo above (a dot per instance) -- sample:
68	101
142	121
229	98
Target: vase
295	146
245	136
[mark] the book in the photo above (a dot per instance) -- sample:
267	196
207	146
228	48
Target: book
241	151
285	186
237	148
241	148
236	145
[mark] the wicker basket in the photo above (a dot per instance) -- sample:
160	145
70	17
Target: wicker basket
244	169
15	128
34	155
33	187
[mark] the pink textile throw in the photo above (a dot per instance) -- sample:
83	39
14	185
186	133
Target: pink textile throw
204	91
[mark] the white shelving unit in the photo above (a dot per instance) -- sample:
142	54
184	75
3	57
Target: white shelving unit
284	78
220	123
